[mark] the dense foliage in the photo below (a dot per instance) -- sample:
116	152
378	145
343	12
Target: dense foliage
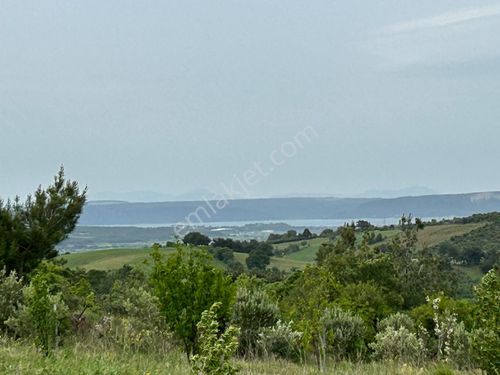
30	230
477	248
186	284
290	236
196	239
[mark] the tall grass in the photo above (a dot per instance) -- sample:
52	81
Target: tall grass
89	358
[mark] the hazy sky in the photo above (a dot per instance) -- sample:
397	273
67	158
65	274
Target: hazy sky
176	96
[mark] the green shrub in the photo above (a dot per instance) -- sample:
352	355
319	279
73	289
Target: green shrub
11	293
459	347
397	321
56	298
453	343
463	309
280	341
399	345
186	284
135	302
215	349
367	300
486	338
485	346
47	312
344	333
134	321
131	334
252	311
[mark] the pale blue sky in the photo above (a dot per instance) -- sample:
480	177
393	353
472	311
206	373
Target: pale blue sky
176	96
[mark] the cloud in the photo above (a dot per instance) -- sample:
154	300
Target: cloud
447	39
442	20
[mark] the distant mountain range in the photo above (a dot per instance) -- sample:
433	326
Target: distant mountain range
199	194
149	196
282	209
413	191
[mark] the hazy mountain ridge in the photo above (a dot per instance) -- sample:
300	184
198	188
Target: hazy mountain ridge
126	213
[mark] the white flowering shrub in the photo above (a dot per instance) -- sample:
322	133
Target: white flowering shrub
453	340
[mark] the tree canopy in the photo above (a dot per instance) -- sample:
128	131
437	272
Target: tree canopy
196	239
30	230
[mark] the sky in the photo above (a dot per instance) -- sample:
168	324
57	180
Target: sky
189	98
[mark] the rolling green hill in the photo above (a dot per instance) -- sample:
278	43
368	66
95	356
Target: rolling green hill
116	258
108	259
433	235
429	236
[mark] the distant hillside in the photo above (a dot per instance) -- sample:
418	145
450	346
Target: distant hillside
124	213
439	236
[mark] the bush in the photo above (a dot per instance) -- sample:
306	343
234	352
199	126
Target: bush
215	349
368	301
398	345
47	312
252	311
131	335
280	341
134	321
223	254
186	284
11	293
397	321
459	347
485	346
452	339
345	333
136	302
486	339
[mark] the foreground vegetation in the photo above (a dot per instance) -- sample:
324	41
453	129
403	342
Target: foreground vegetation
134	320
86	359
372	301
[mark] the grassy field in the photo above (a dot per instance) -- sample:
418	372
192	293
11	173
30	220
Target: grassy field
281	263
307	253
20	358
116	258
429	236
433	235
109	259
